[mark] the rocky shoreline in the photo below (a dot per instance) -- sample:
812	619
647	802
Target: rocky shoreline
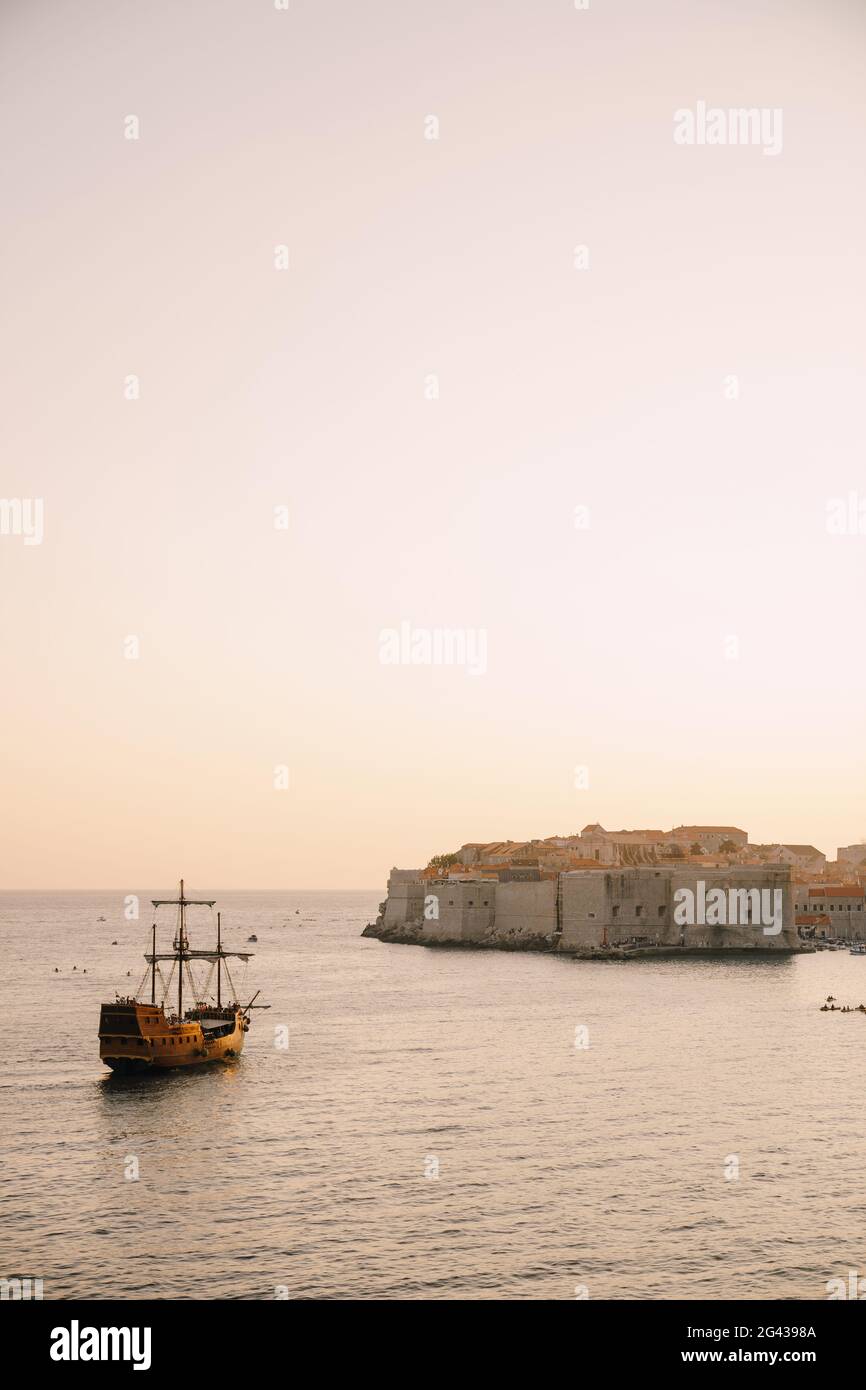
414	935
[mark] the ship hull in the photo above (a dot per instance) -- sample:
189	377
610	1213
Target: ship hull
137	1039
129	1066
133	1066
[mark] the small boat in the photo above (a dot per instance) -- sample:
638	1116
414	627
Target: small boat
858	950
101	919
136	1035
252	938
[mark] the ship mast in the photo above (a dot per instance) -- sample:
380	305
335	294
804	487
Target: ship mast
180	943
153	967
181	951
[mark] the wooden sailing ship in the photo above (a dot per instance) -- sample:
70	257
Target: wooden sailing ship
136	1036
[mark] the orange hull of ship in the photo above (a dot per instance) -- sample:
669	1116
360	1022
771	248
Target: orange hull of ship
136	1037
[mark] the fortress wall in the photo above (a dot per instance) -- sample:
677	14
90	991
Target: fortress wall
605	908
486	913
743	935
405	901
583	909
639	904
525	912
598	909
466	911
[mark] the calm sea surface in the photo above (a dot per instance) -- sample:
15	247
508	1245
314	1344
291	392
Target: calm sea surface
558	1166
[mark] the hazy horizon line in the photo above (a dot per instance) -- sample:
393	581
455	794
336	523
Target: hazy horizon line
124	891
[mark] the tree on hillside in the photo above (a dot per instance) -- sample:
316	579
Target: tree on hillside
443	861
696	848
727	847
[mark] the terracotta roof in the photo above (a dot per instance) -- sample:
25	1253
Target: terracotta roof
716	829
837	890
645	834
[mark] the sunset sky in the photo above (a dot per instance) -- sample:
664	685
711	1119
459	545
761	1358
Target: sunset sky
694	638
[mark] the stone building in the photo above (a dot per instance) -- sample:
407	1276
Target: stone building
613	846
841	908
709	837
